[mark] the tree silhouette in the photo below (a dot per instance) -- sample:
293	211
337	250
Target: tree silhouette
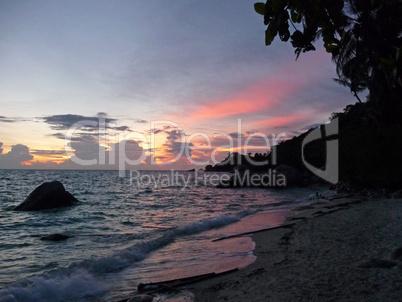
363	36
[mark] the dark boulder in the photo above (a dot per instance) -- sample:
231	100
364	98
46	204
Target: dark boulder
49	195
397	254
378	263
55	237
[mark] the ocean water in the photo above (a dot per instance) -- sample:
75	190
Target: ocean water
144	227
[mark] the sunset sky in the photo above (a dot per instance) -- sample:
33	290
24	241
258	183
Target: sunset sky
150	77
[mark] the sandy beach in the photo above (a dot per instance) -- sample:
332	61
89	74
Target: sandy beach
341	250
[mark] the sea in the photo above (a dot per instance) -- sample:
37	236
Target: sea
129	228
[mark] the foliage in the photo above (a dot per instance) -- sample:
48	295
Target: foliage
363	36
369	155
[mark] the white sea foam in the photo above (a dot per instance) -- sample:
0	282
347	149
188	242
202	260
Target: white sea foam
82	279
139	251
53	288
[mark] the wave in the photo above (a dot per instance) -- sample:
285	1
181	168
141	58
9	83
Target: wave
84	279
48	287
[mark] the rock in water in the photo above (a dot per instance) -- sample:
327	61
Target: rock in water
378	263
49	195
397	254
55	237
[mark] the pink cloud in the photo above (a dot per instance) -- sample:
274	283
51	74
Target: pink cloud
262	95
281	120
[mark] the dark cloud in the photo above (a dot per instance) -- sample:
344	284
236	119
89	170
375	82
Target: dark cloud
66	121
20	152
177	147
4	119
1	149
15	157
88	129
87	140
141	121
156	131
236	135
252	131
83	137
48	152
87	149
174	147
77	137
122	128
59	135
89	154
131	149
173	135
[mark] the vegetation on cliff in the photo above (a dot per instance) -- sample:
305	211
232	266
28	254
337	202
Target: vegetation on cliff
369	153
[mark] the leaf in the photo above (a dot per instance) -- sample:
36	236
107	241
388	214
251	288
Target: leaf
330	48
308	47
297	52
283	31
268	37
297	39
278	5
294	16
331	44
260	8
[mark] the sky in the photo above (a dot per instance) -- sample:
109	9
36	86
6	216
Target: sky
150	84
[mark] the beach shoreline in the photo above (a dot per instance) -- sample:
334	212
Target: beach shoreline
340	250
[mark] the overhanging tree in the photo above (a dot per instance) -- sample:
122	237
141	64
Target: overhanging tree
363	36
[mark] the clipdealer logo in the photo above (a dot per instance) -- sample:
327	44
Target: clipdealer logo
328	132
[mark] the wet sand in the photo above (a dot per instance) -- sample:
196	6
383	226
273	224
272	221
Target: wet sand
340	250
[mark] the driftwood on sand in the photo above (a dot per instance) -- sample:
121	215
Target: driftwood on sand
146	289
